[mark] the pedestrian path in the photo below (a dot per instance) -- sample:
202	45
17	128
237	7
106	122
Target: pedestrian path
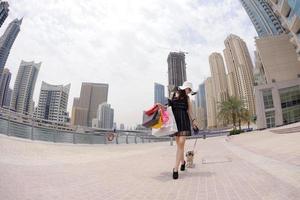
225	168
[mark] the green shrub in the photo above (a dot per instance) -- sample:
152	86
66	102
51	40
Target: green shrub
235	132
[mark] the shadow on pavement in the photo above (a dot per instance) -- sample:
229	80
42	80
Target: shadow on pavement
167	176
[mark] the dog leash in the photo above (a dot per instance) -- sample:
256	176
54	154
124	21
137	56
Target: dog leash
195	144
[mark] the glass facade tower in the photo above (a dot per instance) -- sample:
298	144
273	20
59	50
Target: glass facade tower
263	17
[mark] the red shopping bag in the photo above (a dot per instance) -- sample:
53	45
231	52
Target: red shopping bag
152	110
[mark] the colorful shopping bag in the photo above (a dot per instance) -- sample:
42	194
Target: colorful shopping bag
159	123
152	110
150	120
164	115
168	127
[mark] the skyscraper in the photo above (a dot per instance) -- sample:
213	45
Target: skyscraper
85	107
53	102
105	116
258	72
201	115
3	11
176	69
278	97
288	12
7	99
4	85
159	93
210	104
240	70
263	18
7	40
218	75
200	97
219	82
24	87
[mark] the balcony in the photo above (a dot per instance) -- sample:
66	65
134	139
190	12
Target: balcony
274	1
284	8
294	24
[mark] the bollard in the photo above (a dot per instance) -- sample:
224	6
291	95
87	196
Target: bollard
171	141
135	141
8	125
31	136
117	136
105	139
54	133
74	138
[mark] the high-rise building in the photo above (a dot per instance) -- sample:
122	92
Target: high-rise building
210	104
263	18
85	107
3	11
4	86
240	70
105	117
7	98
201	102
277	58
7	40
288	12
53	102
258	72
201	106
230	84
176	69
159	93
278	98
219	82
24	87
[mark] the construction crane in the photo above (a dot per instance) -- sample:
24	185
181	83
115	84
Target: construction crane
171	50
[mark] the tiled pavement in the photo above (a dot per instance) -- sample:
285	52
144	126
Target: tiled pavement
226	168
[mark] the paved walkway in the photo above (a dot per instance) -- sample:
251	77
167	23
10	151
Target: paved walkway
242	167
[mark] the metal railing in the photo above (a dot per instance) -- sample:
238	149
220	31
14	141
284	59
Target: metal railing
28	127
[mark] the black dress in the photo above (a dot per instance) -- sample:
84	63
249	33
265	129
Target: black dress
180	111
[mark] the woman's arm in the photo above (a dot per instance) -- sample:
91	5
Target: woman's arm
162	106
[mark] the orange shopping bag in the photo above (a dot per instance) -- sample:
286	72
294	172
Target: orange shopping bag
159	123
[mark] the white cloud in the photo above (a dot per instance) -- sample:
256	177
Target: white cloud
123	43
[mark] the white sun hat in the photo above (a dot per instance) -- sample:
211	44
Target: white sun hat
185	85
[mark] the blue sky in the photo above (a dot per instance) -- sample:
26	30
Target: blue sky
122	43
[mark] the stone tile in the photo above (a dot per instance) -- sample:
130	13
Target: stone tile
34	170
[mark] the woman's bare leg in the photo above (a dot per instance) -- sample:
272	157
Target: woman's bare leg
177	154
180	140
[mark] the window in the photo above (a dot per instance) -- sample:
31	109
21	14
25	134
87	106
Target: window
268	99
270	119
290	104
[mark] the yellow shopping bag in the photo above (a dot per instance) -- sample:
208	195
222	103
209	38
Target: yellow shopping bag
159	123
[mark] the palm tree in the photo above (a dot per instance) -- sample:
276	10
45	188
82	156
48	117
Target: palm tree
246	117
233	110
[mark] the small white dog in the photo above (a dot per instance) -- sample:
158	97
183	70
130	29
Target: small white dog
190	159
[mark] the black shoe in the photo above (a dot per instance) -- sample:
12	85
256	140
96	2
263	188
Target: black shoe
175	174
182	167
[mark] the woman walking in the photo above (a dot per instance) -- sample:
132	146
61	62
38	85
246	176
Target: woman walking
182	110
